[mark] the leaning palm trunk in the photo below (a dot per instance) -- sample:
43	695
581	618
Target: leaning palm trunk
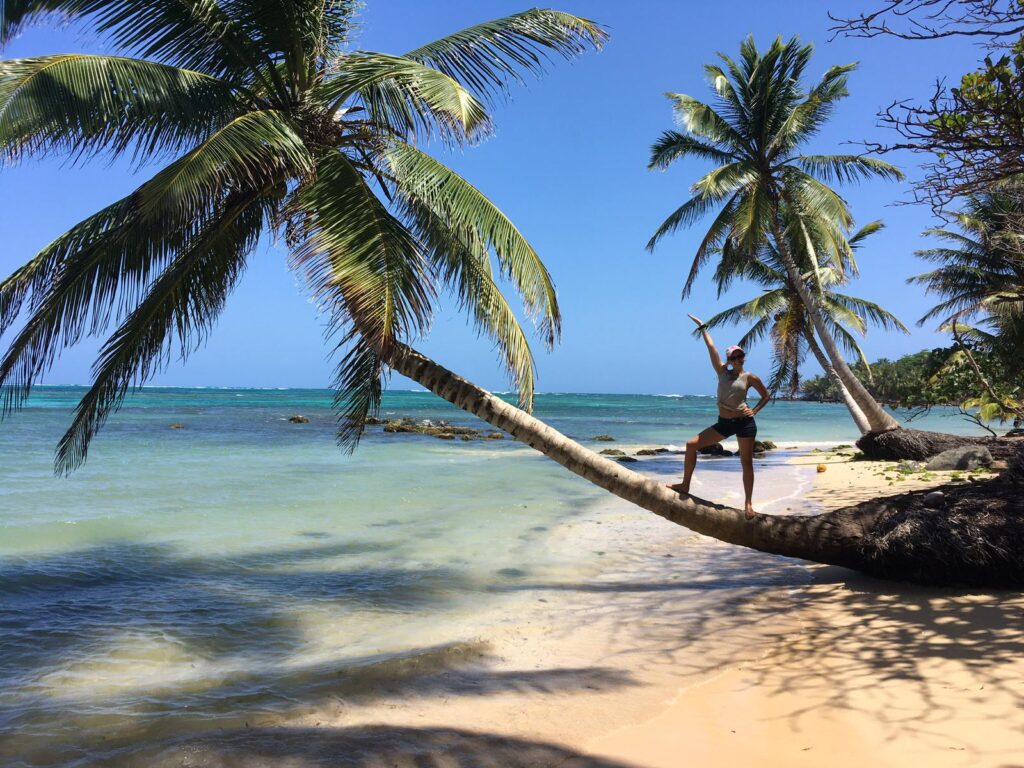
882	537
877	419
855	410
827	538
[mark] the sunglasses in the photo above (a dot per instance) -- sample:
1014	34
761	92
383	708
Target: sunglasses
738	356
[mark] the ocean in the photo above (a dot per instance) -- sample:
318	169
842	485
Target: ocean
233	570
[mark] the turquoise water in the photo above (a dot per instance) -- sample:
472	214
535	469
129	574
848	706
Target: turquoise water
235	569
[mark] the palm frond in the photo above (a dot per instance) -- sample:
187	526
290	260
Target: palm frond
463	208
183	301
704	122
363	266
406	97
357	386
488	56
848	169
868	310
715	238
673	145
192	34
83	105
463	263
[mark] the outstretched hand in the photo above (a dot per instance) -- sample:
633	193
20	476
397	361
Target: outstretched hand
697	320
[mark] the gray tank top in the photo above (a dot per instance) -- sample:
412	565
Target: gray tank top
732	389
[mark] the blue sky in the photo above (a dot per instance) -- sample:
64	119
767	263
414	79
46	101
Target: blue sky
568	164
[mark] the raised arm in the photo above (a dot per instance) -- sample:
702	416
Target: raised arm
716	359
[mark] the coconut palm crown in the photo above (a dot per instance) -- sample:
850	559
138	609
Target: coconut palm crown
266	121
761	118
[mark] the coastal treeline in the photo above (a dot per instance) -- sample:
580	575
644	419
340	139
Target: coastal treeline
932	377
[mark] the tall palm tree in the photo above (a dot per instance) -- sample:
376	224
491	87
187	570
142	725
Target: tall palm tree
780	314
275	125
760	119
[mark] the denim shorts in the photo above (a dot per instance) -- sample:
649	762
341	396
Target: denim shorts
744	426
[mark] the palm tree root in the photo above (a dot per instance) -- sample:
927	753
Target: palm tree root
973	536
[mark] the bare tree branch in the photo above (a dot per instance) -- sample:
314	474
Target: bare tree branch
1000	21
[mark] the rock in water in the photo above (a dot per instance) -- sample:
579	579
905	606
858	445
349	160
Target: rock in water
177	426
603	438
965	457
299	419
714	450
612	452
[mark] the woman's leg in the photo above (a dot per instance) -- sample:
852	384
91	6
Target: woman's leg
747	461
708	437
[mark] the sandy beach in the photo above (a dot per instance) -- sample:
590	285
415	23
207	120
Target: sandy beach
740	659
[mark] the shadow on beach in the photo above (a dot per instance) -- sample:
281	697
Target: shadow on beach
373	747
918	668
63	616
914	662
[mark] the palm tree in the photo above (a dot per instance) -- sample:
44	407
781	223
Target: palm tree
981	278
276	125
763	188
270	123
780	314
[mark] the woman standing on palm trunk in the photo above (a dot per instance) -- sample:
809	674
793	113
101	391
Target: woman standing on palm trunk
735	417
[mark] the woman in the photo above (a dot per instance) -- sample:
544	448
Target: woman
735	417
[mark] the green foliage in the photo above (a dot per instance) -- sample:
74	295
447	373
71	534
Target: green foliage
928	378
272	123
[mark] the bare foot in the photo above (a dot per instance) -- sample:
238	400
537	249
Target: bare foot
680	488
749	512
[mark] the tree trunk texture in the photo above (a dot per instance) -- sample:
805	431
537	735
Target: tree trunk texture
855	411
878	419
848	537
918	445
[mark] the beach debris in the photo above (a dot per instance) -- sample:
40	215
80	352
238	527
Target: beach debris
965	457
934	499
177	426
612	452
603	438
822	467
298	419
